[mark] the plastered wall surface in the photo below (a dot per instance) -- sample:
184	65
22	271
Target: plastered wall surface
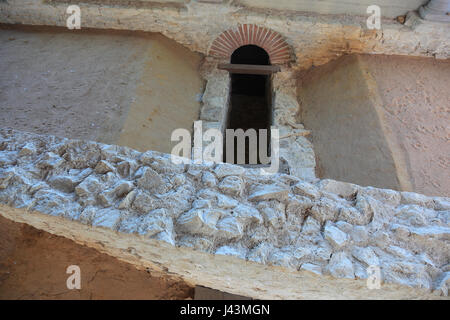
380	121
415	109
168	97
125	88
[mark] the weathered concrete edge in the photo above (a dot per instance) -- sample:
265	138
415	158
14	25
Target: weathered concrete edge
223	273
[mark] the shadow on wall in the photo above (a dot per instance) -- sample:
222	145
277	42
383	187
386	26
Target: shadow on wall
347	136
380	121
33	266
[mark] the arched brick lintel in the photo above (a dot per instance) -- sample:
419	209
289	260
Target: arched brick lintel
249	34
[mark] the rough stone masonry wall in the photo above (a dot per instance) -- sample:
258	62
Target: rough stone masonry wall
314	39
328	228
296	151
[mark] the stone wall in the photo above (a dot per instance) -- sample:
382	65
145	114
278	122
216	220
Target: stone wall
329	228
296	151
112	197
314	39
389	8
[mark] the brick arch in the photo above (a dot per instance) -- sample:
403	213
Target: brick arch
274	43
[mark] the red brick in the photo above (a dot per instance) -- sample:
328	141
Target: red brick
231	39
246	34
279	47
241	35
258	36
265	36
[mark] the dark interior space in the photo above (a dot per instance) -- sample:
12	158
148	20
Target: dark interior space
250	54
250	98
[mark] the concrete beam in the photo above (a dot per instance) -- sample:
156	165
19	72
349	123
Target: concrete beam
436	10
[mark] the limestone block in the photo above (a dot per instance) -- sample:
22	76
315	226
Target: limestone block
336	237
268	192
341	266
